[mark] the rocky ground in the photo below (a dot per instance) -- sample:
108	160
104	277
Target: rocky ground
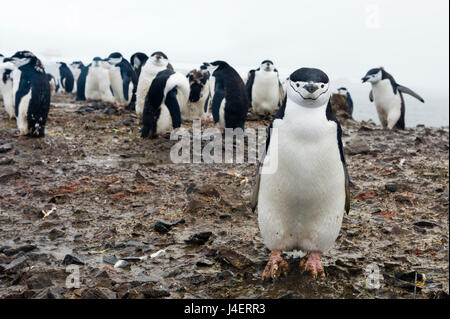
93	197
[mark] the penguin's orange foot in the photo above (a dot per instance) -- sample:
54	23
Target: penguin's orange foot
313	265
276	267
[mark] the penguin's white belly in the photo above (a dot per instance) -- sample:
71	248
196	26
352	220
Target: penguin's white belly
76	74
164	122
22	121
265	92
98	85
387	103
148	73
6	91
117	85
301	206
222	123
195	109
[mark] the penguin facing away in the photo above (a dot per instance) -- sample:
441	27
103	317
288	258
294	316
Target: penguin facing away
6	86
345	92
163	105
229	100
137	60
31	94
302	204
264	89
388	97
66	80
123	79
156	63
98	85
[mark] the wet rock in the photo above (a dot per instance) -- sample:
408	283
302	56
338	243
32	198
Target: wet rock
357	145
233	258
110	110
207	190
98	293
204	263
199	239
150	291
164	227
16	264
194	204
55	233
71	260
225	216
5	148
391	187
425	224
111	260
39	281
10	251
27	248
6	161
85	109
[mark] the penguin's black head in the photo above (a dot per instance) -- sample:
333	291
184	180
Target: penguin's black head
138	59
217	66
342	90
204	66
373	75
159	58
197	80
77	64
309	87
26	58
267	66
114	58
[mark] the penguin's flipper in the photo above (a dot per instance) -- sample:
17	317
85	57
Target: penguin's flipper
410	92
250	81
347	190
126	85
371	96
350	103
174	108
219	95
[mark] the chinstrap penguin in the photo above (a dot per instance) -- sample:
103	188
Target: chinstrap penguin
123	80
199	93
76	67
264	89
388	97
31	94
166	98
137	61
229	100
98	85
65	77
301	205
345	92
156	63
6	85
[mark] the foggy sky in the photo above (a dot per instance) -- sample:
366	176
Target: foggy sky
345	38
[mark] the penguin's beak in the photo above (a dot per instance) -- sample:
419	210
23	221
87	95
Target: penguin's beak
365	79
311	88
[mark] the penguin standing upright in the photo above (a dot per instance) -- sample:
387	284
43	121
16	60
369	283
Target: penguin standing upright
301	205
81	83
388	98
76	67
165	100
31	94
65	78
52	81
345	92
98	85
123	79
6	85
157	62
264	89
199	93
230	100
137	61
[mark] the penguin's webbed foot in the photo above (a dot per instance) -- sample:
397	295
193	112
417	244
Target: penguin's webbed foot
276	267
312	264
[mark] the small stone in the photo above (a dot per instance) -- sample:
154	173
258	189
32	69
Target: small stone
162	227
71	260
122	264
5	148
233	258
357	145
55	233
391	187
10	251
16	264
425	224
111	260
199	239
6	161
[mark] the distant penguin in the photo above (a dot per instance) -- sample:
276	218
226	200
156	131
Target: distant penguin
345	92
2	57
388	98
31	94
123	79
156	63
301	205
163	105
76	67
264	89
98	85
65	78
52	81
81	83
137	60
6	85
230	100
198	96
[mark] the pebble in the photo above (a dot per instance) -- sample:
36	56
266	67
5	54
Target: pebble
199	239
71	260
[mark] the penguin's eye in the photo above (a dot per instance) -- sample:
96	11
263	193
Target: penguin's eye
322	86
297	84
